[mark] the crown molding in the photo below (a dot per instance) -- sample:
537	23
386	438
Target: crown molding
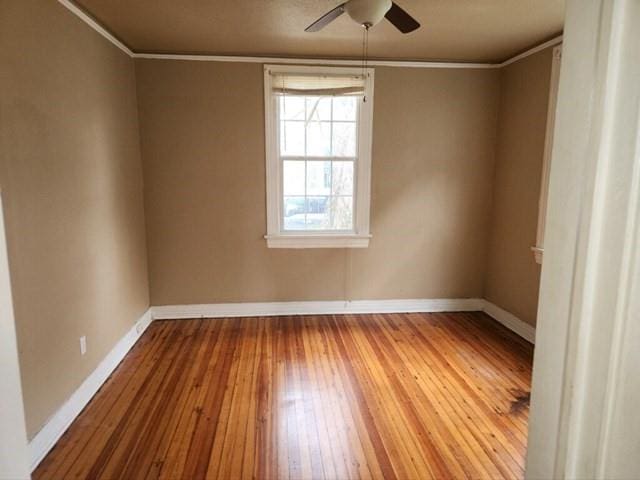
77	11
531	51
314	61
297	61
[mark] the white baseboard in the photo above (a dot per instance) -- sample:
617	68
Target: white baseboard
215	310
46	438
510	321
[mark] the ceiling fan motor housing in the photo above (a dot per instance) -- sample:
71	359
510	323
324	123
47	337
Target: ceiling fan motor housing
367	12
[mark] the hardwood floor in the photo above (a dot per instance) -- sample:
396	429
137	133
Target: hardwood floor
337	396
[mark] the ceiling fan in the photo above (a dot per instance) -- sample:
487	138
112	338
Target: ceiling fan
368	13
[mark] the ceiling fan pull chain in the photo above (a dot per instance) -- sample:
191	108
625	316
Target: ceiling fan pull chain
363	49
284	108
365	53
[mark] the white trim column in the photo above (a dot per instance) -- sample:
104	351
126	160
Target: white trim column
14	463
584	422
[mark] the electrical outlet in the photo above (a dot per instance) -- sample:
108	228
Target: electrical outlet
83	345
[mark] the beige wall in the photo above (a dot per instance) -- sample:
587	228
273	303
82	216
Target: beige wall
513	276
71	183
202	137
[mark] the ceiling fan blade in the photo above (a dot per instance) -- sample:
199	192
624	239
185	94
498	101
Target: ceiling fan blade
401	19
326	19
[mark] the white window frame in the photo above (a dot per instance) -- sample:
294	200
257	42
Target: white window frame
276	236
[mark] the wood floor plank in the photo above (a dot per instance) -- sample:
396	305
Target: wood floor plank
482	412
360	366
174	460
428	398
299	397
356	414
209	421
185	401
330	394
437	384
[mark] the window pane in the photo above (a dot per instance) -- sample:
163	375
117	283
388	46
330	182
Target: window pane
345	108
317	213
294	210
342	178
319	139
344	139
318	178
292	138
291	108
318	108
342	213
293	177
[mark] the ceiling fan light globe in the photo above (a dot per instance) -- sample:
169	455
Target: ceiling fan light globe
367	12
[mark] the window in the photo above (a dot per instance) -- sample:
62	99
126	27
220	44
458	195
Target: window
318	147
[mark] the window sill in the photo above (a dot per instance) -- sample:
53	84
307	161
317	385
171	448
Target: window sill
317	241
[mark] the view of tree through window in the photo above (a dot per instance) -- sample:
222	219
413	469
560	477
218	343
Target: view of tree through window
318	151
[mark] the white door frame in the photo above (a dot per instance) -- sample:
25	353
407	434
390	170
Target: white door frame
586	382
14	463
